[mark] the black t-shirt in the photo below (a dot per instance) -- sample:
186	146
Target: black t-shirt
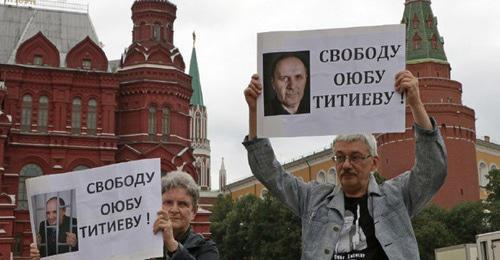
357	238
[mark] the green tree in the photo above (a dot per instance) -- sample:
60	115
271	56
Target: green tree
235	242
253	228
493	200
494	215
275	231
431	231
218	227
493	186
466	220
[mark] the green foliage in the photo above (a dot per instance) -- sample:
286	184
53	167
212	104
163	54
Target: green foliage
436	227
493	200
235	243
221	208
466	220
431	231
275	231
494	215
255	228
493	186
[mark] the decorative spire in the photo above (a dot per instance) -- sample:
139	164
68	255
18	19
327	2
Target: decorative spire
194	39
423	42
222	176
197	97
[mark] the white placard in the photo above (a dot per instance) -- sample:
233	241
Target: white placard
114	206
349	86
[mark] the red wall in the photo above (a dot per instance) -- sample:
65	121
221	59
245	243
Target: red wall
442	98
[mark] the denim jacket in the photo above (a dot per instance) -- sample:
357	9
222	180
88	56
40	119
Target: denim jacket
391	204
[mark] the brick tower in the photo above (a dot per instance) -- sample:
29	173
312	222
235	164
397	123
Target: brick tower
442	97
153	100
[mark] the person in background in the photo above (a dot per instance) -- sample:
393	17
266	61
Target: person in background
180	195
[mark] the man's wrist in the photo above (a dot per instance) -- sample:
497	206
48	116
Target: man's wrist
172	246
252	124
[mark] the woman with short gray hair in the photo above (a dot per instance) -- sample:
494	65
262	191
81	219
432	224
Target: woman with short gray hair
181	179
180	195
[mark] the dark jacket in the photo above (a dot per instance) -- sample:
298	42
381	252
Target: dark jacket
193	246
64	227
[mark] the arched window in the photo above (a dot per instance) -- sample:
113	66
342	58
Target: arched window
28	171
157	32
331	177
483	172
415	21
80	167
434	42
76	111
165	122
87	64
493	167
417	40
204	127
430	21
197	124
38	60
26	113
191	124
320	177
152	120
43	114
92	117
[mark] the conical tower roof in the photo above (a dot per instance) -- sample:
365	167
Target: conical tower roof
423	42
197	97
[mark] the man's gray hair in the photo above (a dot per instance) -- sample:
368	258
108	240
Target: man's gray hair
180	179
368	139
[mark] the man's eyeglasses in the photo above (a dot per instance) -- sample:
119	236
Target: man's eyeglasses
354	158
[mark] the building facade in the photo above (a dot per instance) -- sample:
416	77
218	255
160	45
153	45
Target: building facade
317	167
64	106
488	158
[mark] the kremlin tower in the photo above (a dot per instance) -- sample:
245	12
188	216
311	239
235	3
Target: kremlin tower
442	96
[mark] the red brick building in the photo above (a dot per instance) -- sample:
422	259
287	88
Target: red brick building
442	96
65	106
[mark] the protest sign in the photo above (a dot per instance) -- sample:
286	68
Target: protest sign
326	82
110	210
